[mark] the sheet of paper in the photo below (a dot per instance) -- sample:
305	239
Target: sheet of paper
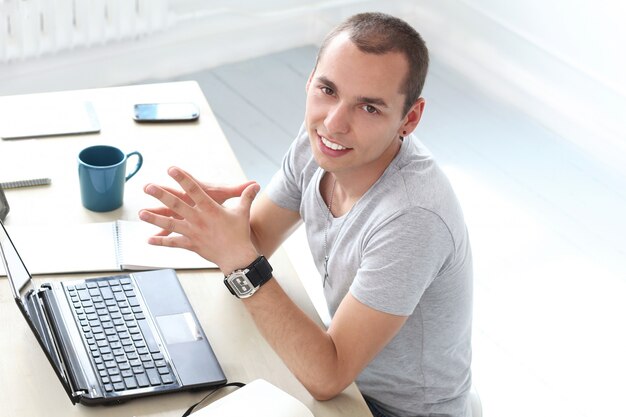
136	253
259	399
61	248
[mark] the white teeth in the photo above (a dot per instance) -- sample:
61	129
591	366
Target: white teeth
332	145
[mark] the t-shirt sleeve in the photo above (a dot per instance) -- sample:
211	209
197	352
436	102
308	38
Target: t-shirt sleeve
401	258
285	187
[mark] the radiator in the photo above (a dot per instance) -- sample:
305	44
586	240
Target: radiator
33	28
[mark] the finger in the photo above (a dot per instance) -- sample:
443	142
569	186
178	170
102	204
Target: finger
218	192
174	203
165	211
193	188
166	223
179	194
221	193
168	241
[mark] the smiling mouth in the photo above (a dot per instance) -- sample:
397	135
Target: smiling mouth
332	145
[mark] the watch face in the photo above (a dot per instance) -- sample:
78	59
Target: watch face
241	285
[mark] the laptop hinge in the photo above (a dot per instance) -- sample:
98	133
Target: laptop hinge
66	343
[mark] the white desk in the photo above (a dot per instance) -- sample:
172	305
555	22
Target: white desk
28	385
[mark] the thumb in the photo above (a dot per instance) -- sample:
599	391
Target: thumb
248	195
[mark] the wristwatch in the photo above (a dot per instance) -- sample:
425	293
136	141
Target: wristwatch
242	283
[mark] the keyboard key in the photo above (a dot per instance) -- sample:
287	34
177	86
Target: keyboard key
167	379
83	295
163	371
130	382
108	387
153	376
107	294
119	386
103	283
142	380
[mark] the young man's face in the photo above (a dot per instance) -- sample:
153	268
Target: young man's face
354	109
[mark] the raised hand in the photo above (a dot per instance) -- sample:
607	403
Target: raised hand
196	219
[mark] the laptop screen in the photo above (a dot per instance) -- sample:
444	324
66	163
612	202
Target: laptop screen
23	290
19	278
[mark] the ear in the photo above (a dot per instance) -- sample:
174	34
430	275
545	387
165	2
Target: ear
412	118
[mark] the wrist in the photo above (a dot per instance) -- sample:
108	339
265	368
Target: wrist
238	260
244	282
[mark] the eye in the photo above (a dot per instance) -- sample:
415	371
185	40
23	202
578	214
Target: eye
370	109
326	90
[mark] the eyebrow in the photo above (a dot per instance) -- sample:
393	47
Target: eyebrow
361	99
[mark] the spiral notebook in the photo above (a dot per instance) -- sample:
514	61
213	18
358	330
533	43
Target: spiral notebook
98	247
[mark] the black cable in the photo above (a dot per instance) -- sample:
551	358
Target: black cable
230	384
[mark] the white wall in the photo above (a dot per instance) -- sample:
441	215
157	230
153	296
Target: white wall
200	34
561	61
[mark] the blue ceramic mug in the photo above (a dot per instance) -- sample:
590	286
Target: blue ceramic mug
102	175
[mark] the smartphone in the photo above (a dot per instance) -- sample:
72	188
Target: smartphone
4	205
165	112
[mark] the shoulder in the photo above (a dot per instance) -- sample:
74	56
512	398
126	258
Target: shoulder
414	190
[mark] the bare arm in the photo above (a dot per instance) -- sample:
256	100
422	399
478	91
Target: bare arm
271	224
324	361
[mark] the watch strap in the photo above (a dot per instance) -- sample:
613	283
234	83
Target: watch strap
259	271
243	283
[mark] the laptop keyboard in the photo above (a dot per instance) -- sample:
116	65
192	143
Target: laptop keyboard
117	334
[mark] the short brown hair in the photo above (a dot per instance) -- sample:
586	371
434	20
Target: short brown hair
379	33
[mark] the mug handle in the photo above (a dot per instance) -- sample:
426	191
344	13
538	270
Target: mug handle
139	164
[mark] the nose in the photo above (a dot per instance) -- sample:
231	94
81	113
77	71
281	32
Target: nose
338	119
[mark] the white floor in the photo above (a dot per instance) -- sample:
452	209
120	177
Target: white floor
546	223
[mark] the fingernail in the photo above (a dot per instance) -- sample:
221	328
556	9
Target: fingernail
174	173
150	189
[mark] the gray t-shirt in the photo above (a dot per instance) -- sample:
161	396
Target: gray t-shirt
402	249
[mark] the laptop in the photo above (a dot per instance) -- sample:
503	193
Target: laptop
115	338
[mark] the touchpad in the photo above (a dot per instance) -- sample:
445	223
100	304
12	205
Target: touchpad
179	328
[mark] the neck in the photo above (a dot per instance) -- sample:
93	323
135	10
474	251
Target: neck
352	185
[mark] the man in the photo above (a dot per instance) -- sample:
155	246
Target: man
384	226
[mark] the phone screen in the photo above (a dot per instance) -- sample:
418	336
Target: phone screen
165	112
